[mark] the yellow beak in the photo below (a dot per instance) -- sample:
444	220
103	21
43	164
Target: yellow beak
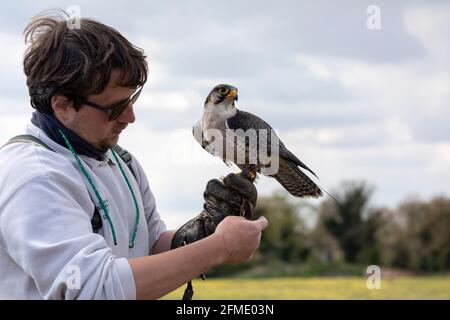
233	94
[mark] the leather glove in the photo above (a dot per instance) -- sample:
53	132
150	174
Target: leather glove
236	196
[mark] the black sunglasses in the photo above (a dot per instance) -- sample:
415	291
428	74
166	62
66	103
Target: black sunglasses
115	111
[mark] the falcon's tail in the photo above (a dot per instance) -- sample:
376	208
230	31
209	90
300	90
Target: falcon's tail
295	181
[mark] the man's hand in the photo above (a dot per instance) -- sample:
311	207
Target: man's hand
240	237
235	196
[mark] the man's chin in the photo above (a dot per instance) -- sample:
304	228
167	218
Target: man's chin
107	144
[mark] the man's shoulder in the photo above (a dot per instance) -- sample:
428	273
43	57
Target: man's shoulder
22	162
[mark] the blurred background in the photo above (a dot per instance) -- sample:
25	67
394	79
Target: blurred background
358	90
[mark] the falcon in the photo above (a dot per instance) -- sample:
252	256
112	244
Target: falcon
248	141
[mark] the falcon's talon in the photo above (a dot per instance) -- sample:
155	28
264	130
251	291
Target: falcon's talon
252	175
248	174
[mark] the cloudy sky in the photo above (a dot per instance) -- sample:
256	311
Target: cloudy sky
353	103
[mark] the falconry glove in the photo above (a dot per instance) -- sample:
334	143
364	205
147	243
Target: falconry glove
235	196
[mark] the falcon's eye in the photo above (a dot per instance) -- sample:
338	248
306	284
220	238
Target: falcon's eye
224	90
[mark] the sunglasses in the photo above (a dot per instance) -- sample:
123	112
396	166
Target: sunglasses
115	111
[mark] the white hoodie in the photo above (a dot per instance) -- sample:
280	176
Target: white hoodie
47	247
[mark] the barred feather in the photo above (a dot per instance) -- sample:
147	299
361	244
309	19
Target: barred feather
295	181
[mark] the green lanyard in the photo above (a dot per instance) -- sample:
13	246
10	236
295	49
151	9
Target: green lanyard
102	202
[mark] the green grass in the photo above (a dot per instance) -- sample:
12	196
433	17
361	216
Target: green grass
432	287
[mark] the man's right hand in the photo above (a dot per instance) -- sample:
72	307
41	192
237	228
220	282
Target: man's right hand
240	237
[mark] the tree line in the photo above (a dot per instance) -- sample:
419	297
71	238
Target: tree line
414	236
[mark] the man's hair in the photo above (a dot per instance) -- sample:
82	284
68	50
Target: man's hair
62	60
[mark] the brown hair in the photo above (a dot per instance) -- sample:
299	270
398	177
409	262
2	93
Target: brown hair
76	62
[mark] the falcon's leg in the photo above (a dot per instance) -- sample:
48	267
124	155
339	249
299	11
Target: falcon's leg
249	172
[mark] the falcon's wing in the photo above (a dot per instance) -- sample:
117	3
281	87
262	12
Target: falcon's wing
246	120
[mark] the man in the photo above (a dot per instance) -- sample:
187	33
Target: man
83	84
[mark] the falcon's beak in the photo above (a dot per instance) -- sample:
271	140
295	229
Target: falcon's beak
233	94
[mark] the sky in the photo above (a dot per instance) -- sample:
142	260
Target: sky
353	102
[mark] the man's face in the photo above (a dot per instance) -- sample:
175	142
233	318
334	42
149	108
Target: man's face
93	125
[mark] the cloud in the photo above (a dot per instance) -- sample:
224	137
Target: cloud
351	103
11	125
430	25
11	66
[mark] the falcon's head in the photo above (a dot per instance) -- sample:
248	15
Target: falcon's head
223	95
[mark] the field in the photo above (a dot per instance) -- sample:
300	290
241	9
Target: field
433	287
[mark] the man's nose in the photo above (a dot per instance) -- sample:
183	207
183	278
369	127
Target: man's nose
127	115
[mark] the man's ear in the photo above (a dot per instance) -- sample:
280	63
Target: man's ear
62	107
